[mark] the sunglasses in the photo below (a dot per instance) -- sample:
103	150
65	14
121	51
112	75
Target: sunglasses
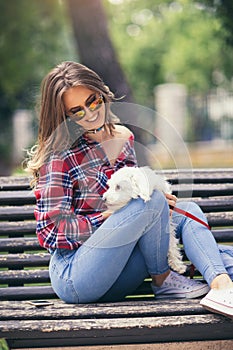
93	103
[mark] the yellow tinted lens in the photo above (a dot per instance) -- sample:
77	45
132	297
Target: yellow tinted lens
95	104
80	114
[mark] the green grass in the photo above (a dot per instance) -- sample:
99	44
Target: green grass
3	345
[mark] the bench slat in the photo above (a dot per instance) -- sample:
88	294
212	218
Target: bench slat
11	183
220	219
219	204
25	311
202	191
19	277
24	260
223	235
18	228
17	197
14	244
13	213
216	205
26	293
41	292
115	330
199	175
182	190
27	213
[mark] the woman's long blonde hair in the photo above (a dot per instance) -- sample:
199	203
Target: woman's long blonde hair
54	133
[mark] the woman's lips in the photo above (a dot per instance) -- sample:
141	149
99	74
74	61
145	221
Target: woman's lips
93	119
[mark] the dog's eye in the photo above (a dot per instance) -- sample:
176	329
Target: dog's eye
118	187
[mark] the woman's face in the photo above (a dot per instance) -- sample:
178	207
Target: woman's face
85	107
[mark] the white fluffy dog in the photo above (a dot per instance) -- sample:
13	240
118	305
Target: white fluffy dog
130	182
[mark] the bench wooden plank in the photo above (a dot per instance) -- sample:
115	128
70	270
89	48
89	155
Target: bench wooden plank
18	228
220	219
27	213
140	318
115	331
26	293
216	205
187	191
17	197
207	204
15	310
11	183
24	260
209	175
200	175
16	244
16	277
223	235
182	190
14	213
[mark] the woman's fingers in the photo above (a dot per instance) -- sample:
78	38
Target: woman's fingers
171	199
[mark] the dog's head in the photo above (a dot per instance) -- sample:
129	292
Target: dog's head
125	184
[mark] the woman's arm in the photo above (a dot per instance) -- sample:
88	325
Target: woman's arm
57	224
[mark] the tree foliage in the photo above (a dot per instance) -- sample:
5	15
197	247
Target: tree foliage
155	41
169	41
223	9
33	38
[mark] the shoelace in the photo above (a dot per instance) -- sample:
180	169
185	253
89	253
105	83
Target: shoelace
177	282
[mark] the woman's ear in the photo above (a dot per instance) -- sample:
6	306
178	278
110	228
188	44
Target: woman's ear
140	186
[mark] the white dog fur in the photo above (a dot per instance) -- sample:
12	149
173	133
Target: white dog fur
131	182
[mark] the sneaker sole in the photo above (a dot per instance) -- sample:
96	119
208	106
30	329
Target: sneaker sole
191	295
216	308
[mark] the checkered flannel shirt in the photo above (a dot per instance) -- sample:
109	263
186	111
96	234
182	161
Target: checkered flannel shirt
69	192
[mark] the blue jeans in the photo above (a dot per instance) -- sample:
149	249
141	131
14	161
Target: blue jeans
128	247
131	245
200	246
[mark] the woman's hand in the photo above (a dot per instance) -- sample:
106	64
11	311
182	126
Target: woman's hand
171	199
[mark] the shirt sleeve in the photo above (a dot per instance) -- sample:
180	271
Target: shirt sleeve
57	224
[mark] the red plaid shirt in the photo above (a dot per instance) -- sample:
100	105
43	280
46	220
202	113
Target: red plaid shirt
69	193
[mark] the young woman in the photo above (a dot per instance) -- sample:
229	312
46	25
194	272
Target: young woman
97	255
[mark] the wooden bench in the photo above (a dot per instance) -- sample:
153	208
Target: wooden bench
139	318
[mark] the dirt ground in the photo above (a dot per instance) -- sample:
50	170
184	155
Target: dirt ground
196	345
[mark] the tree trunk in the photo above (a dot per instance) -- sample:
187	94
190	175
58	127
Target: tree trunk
94	45
96	51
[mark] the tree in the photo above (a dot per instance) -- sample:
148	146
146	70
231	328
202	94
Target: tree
223	9
169	41
95	47
96	51
31	33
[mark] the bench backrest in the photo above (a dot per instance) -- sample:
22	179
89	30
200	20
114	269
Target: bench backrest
24	264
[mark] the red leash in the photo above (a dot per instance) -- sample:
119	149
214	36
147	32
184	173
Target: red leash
189	215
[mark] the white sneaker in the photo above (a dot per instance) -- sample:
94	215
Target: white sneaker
219	301
178	286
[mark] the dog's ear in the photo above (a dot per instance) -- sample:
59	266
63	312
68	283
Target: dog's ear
140	185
